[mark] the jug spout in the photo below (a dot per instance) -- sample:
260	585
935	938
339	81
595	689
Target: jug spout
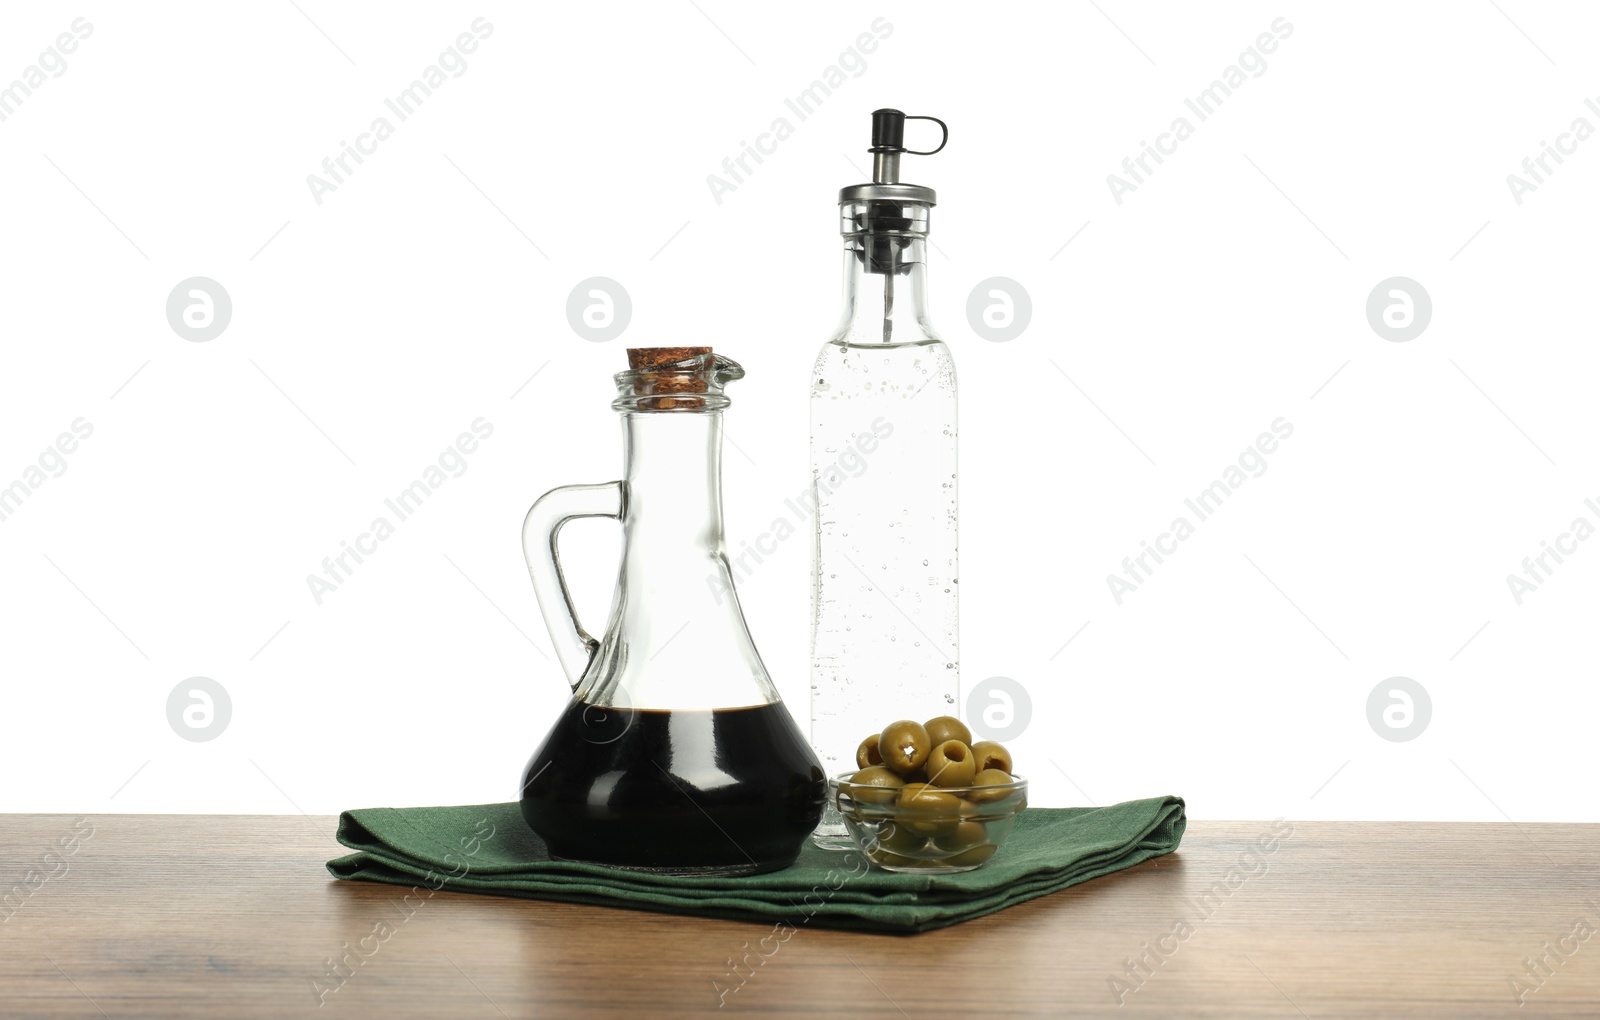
675	379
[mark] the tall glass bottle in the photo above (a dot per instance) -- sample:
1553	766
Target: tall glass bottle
883	474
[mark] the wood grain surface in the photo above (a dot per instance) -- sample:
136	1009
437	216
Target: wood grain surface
224	916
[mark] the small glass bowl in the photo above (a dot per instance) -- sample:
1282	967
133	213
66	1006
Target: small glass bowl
937	835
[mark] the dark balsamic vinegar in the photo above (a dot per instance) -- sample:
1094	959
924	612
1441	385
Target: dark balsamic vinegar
724	792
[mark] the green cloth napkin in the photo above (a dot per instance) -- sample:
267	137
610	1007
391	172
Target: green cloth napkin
488	848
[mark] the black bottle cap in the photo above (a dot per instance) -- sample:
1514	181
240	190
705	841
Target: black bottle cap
888	131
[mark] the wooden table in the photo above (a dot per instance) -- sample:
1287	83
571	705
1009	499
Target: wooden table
224	916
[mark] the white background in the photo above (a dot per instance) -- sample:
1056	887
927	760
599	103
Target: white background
422	294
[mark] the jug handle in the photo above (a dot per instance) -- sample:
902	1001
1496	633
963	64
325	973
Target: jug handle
540	530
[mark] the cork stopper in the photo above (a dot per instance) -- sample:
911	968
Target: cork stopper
654	357
644	360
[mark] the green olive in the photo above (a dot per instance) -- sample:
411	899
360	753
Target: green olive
867	754
904	746
899	839
950	764
947	727
928	810
964	835
971	857
881	785
986	754
983	784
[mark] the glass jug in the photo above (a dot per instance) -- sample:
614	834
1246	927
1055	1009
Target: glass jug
676	754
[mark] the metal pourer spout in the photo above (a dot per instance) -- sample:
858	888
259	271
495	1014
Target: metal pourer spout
888	145
888	142
882	218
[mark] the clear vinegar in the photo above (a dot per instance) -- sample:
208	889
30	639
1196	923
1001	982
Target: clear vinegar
883	451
